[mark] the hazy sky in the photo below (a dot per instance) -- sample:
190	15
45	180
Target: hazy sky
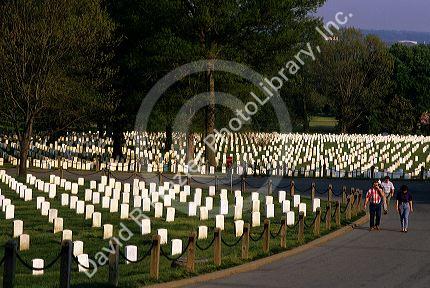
408	15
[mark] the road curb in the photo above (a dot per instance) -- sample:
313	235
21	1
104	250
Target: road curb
260	262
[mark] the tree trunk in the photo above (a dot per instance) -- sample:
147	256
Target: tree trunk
118	141
169	137
24	143
210	121
305	115
190	147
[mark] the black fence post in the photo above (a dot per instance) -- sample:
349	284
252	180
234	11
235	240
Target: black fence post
114	263
66	263
9	264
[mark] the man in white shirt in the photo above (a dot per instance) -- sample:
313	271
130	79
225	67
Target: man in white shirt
388	188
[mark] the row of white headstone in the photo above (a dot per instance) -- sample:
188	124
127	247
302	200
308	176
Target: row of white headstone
310	151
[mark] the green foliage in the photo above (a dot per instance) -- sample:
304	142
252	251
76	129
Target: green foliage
160	36
412	76
355	74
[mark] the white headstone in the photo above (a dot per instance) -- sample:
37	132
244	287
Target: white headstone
255	219
80	207
204	214
219	221
146	226
302	208
52	214
270	210
73	200
130	253
58	225
107	231
238	224
113	206
97	220
84	261
158	210
176	246
38	264
286	206
124	211
18	228
296	201
290	218
163	235
89	210
67	235
170	214
202	232
78	248
24	242
316	204
45	208
64	199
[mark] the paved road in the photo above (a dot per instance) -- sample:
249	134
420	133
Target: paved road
358	259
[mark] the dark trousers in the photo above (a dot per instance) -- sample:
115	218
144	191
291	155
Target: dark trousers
375	210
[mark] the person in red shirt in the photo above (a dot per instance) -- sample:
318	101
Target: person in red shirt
374	198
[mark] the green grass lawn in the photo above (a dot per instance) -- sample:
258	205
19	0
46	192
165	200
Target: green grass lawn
46	245
322	122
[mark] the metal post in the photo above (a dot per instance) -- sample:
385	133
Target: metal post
66	263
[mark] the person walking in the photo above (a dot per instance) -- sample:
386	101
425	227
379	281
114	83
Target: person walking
388	188
374	198
404	207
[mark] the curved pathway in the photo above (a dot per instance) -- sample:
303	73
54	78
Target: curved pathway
360	258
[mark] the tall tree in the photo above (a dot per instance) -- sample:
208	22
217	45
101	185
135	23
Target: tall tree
412	76
355	72
47	48
261	34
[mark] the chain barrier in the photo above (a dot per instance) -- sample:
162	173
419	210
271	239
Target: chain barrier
30	267
337	194
228	183
233	244
282	187
275	235
346	206
256	187
302	192
334	213
124	179
293	226
322	193
259	237
202	182
98	265
205	248
146	254
168	178
324	217
310	225
80	174
146	179
174	259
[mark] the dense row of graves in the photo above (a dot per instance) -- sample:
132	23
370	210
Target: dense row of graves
314	155
122	198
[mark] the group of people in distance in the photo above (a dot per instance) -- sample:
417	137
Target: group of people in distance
379	197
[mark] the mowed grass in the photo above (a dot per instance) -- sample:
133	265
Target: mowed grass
46	245
322	122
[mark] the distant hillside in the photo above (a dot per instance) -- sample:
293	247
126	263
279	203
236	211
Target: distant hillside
391	37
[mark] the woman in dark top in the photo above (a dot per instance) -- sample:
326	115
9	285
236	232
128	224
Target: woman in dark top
404	206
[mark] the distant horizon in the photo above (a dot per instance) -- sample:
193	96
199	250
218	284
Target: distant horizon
389	15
